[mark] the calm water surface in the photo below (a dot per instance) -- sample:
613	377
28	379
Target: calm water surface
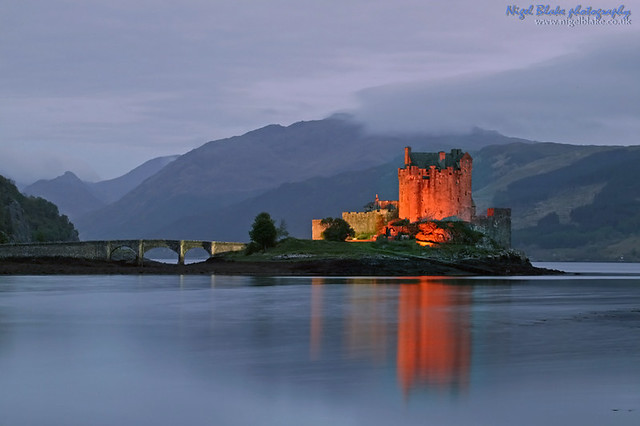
196	350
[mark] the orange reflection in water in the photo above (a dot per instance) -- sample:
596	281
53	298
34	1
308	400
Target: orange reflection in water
366	329
434	340
316	317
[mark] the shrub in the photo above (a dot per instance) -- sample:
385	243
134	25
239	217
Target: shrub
337	229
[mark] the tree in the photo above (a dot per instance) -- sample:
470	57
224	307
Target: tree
263	231
337	229
370	206
282	231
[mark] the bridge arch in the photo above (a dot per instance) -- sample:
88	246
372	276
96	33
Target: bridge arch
114	245
122	252
172	245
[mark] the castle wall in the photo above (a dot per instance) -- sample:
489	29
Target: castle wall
317	228
496	224
369	223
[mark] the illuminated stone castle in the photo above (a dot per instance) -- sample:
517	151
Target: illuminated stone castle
435	186
431	186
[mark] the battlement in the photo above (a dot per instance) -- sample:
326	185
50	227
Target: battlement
440	160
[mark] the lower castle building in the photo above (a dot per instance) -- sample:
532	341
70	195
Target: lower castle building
431	186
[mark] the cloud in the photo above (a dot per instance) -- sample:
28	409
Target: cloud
590	96
26	165
118	82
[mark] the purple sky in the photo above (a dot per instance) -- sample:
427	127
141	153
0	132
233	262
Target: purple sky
98	87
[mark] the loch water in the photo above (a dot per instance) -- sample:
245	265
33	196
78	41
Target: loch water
237	350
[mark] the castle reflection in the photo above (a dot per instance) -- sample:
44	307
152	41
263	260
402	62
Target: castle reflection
431	339
434	338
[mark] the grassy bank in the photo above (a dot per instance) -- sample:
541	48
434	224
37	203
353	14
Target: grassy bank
293	249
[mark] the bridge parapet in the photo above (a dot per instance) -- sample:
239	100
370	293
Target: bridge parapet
103	250
80	250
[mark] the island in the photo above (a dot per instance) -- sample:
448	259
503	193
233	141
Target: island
293	256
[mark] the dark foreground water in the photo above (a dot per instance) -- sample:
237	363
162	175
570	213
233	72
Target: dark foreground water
159	350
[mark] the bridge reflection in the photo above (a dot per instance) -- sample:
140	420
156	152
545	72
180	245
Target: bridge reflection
425	323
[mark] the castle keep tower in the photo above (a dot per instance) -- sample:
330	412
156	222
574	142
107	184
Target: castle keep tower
435	186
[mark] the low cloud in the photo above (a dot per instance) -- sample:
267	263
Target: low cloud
26	165
587	97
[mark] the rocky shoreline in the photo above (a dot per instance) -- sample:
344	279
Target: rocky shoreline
371	266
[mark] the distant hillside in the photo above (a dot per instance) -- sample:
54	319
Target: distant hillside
226	172
28	219
75	197
585	209
112	190
496	167
569	202
72	196
294	203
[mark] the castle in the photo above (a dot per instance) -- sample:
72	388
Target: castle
431	186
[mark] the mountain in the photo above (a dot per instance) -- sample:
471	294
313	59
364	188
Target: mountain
569	202
225	172
496	167
112	190
26	219
75	197
72	196
294	203
586	207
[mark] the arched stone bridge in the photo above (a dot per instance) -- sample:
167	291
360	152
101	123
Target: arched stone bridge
103	250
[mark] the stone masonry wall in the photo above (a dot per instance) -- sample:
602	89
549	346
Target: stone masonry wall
496	224
81	250
369	223
317	228
102	250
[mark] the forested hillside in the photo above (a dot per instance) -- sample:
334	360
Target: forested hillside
588	209
30	219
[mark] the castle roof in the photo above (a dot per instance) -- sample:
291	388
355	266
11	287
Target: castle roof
424	160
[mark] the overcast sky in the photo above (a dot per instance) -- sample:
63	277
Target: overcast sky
100	86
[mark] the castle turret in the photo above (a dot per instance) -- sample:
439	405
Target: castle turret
407	156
